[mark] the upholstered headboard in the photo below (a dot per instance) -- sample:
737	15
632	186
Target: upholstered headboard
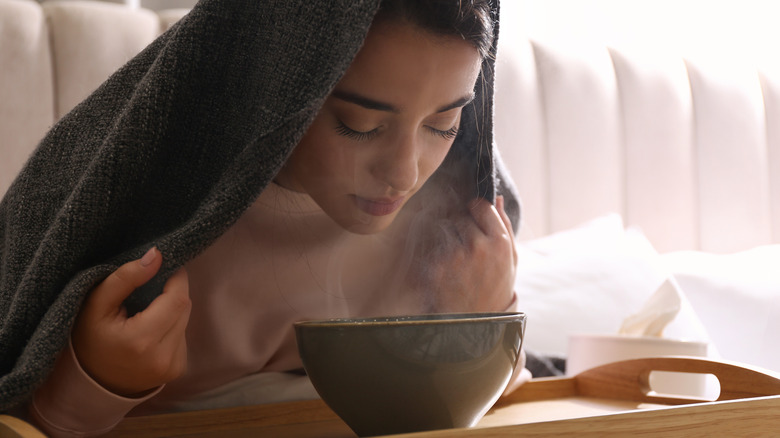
688	153
52	55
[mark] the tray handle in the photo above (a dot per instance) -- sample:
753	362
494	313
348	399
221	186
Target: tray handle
630	379
13	427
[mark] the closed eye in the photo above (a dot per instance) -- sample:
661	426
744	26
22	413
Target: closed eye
447	135
352	134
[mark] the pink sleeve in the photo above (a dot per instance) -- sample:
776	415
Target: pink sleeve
71	404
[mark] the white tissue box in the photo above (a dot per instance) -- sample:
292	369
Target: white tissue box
587	351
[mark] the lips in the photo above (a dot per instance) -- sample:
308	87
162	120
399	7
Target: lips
379	207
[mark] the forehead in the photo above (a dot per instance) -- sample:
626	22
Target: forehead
399	59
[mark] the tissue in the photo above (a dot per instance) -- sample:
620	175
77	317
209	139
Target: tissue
642	335
657	312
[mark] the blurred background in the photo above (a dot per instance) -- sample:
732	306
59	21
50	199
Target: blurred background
704	30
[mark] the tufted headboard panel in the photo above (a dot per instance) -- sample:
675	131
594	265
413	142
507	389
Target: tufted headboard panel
52	55
689	153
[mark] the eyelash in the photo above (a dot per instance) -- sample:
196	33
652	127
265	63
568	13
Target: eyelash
350	133
448	134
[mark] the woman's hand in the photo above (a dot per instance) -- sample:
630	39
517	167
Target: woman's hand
493	257
521	376
470	262
130	356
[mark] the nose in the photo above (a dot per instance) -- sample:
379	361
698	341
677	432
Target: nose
398	163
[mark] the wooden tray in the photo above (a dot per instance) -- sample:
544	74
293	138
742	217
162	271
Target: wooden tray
613	399
616	399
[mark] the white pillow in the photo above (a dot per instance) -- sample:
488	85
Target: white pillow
587	280
737	296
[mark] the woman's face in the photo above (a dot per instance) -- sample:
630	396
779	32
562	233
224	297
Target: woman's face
386	127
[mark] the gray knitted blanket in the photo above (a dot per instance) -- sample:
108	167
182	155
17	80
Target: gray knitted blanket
170	151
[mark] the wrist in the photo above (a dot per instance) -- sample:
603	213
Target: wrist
113	390
70	400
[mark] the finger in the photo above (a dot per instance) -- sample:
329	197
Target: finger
520	375
173	339
518	379
179	365
174	345
487	218
507	224
162	315
175	334
108	296
502	212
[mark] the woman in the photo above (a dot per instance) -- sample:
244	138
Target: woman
381	207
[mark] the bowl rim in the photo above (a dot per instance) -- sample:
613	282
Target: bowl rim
409	320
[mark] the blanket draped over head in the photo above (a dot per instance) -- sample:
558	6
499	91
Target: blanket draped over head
170	151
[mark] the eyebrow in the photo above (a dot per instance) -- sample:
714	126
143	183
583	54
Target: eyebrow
372	104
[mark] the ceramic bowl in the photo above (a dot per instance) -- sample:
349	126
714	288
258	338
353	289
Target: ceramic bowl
411	373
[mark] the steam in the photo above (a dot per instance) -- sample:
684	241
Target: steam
409	268
401	270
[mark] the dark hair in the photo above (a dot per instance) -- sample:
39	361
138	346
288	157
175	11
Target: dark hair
471	20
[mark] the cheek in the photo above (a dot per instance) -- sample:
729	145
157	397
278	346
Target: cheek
331	160
432	157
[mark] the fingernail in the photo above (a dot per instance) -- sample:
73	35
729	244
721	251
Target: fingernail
500	201
148	258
